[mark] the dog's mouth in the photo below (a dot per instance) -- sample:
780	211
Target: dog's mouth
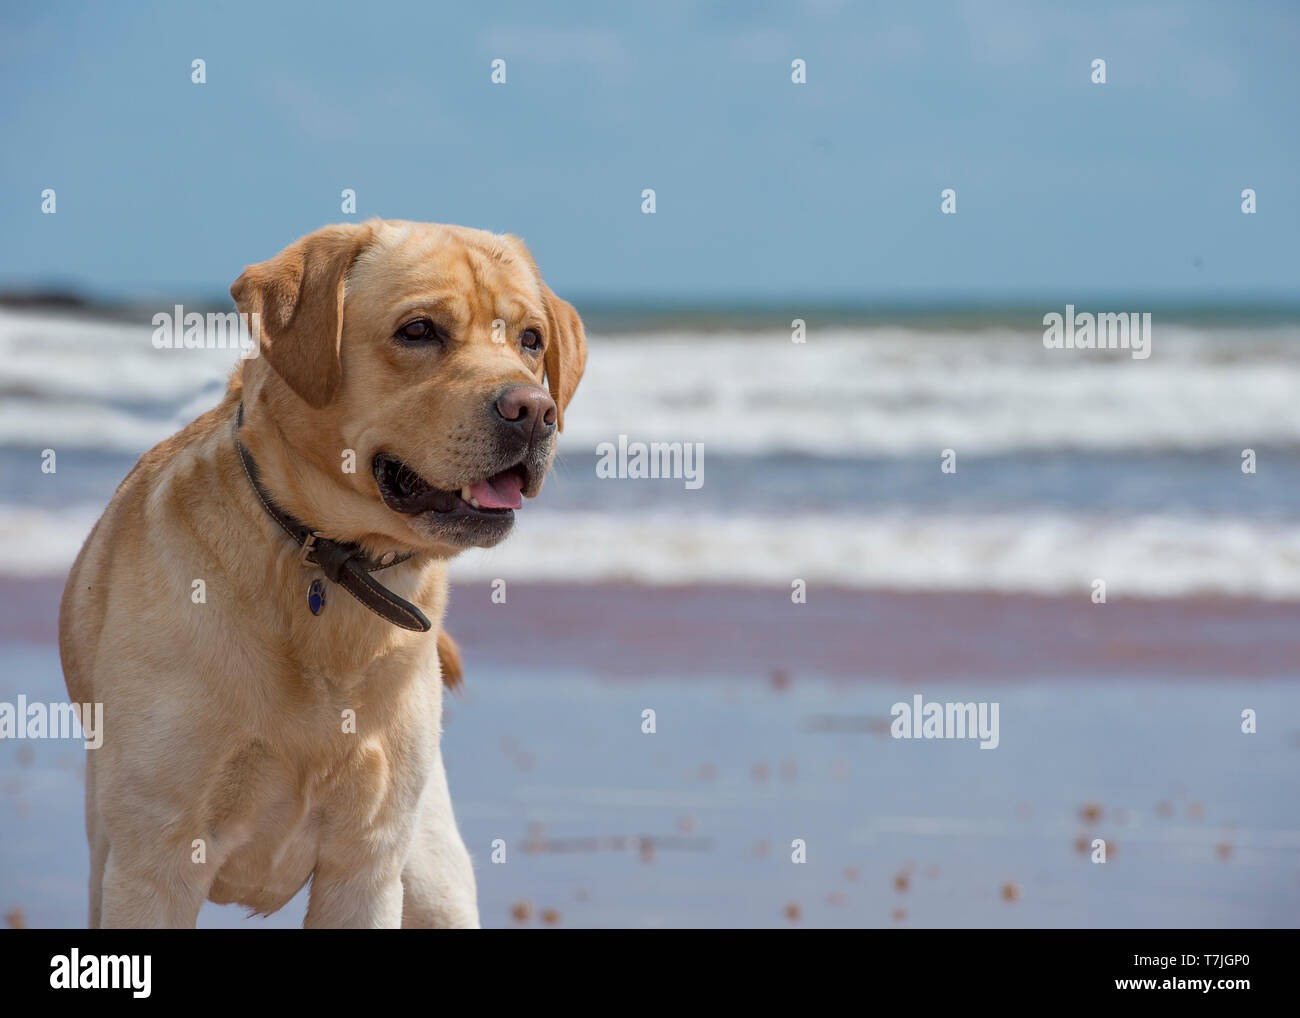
406	492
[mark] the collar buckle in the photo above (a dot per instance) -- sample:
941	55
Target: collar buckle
307	547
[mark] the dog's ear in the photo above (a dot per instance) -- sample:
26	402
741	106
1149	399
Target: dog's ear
449	658
566	351
298	298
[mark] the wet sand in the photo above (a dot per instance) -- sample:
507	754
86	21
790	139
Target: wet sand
613	630
1119	722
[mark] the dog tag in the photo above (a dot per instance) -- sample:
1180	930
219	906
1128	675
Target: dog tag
316	596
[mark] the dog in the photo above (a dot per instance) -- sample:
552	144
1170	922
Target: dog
259	608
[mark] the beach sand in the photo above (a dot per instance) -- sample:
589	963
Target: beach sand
1118	721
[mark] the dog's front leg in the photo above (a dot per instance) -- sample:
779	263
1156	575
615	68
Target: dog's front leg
365	898
439	876
141	894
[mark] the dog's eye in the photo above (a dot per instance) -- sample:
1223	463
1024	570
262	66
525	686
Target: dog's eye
531	339
419	331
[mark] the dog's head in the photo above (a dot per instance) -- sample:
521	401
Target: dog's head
434	354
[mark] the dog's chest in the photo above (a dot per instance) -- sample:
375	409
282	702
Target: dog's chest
340	773
266	873
266	823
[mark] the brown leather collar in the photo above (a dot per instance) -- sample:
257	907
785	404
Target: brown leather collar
341	562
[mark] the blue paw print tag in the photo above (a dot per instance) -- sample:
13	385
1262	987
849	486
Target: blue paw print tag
316	596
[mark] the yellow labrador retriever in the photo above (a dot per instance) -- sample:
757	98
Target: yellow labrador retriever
280	721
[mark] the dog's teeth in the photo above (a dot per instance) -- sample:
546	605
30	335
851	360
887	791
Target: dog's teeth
474	503
464	493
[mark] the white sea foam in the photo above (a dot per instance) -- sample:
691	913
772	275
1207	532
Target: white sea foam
39	542
66	358
1046	553
1153	556
879	391
892	391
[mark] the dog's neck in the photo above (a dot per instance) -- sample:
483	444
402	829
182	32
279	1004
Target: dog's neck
344	562
309	489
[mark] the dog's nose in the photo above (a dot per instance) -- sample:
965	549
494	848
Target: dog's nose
528	408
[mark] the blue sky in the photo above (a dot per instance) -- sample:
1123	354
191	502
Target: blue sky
765	189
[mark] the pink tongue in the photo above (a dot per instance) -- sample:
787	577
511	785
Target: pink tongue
499	492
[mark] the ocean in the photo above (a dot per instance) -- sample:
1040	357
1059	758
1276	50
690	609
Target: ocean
821	460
